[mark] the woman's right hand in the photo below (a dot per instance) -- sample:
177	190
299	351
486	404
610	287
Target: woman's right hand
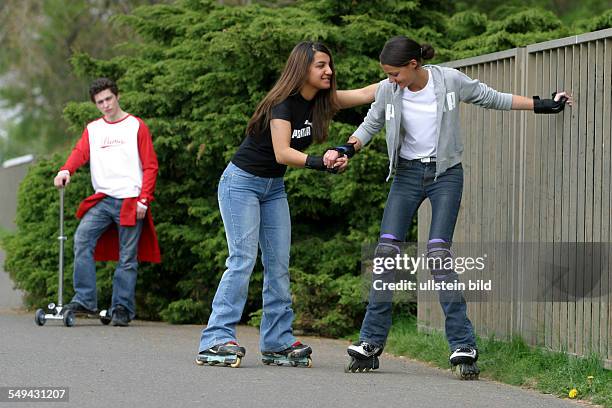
62	179
330	157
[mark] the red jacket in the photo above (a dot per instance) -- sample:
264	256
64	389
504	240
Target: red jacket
107	248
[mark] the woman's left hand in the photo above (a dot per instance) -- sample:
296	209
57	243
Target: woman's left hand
341	163
564	94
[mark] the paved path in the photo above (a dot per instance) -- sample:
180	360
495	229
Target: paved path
152	365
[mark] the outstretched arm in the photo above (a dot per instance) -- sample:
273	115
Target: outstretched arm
538	105
355	97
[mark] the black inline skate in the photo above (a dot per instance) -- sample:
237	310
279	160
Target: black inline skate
465	358
298	355
364	357
228	354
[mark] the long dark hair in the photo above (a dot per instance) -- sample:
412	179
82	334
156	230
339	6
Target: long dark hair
400	50
292	79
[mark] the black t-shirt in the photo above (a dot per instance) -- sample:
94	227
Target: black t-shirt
256	153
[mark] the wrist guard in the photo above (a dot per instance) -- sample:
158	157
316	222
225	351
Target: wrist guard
315	163
548	105
347	149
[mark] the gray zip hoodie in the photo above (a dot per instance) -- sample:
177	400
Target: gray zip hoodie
451	87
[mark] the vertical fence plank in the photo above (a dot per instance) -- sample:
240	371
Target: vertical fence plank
575	196
564	164
557	199
587	175
529	281
606	318
597	92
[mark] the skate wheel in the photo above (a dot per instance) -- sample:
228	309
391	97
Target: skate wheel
40	318
469	372
469	377
105	318
309	363
237	363
69	318
350	367
199	362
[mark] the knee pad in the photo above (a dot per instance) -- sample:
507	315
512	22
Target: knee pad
439	258
388	246
384	271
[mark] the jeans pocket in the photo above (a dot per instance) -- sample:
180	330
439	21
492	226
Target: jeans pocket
223	187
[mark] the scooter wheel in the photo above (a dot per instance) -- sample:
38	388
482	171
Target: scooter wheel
69	318
40	318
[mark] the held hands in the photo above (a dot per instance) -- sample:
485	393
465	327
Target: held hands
333	160
340	164
316	163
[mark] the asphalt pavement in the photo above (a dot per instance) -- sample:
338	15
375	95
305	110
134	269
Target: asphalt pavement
151	364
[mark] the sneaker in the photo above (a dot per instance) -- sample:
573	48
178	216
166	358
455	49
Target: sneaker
463	355
363	350
229	348
121	316
78	308
297	350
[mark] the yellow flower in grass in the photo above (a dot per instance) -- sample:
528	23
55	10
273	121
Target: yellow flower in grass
573	393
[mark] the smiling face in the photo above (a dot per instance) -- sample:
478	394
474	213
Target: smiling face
403	76
108	104
320	73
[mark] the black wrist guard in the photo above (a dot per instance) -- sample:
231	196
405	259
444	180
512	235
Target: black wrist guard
548	105
315	163
347	149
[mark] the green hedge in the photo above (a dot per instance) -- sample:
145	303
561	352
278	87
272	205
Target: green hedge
199	71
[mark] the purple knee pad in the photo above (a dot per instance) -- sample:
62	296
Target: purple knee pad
438	253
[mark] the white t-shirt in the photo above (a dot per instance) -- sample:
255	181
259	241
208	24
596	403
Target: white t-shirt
419	128
114	160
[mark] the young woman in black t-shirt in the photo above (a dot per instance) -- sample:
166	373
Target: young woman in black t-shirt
254	208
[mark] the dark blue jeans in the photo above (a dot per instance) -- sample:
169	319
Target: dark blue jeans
412	184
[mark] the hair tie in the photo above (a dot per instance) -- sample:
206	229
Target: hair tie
421	52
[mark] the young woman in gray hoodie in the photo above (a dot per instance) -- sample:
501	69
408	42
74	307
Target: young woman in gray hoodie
419	106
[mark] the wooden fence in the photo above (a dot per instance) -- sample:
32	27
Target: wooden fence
539	179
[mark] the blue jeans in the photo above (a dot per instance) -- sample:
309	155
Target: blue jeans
255	213
91	227
413	182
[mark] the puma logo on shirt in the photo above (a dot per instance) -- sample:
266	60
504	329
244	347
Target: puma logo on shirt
300	133
304	132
